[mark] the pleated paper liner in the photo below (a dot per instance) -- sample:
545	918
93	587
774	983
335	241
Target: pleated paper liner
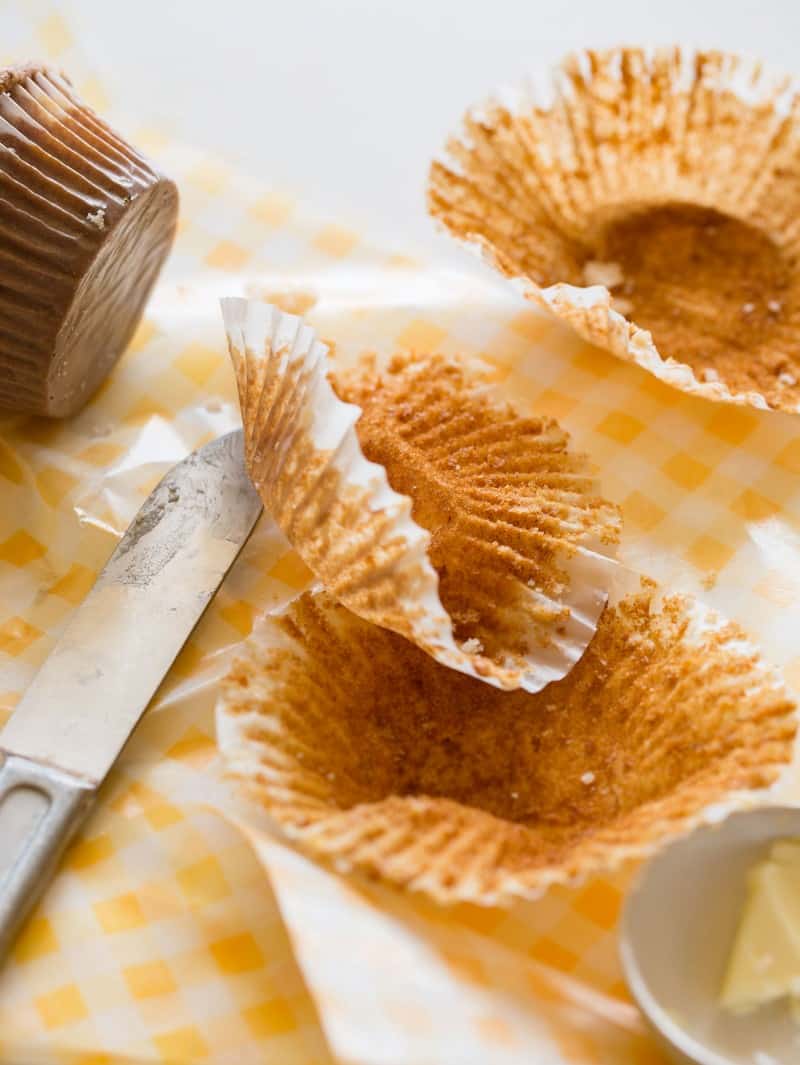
422	504
375	758
85	225
652	201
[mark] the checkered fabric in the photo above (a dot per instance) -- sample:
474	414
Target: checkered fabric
161	939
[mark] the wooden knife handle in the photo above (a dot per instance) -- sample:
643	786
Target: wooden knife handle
40	810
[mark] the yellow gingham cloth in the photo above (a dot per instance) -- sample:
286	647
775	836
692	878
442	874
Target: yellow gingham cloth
161	939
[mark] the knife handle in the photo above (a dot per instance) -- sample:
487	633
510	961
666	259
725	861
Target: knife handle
40	810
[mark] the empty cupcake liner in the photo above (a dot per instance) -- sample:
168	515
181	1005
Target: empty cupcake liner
649	199
375	758
505	585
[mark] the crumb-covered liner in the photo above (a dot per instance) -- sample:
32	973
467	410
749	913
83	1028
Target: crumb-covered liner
547	551
197	884
371	755
650	200
85	225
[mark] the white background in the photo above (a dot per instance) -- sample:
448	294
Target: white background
345	101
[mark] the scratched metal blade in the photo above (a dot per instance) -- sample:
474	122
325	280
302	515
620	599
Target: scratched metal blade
91	691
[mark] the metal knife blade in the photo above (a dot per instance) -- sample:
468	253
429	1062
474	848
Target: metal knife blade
82	706
89	694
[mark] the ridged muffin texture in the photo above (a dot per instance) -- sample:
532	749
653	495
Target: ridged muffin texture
373	756
651	200
423	503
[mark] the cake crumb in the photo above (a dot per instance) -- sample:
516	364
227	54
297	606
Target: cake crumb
472	646
97	218
621	305
596	272
587	778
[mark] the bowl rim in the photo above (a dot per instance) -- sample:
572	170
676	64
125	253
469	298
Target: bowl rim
675	1036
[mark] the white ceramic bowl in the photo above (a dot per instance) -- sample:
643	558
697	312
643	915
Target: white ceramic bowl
677	929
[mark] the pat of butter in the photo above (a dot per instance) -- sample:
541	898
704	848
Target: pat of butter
764	964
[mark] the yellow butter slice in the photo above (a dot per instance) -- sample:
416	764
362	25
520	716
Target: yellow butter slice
764	964
786	852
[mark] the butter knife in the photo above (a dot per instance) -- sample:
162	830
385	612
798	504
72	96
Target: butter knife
87	698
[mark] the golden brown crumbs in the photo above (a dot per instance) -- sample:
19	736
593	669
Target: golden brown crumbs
370	751
504	497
